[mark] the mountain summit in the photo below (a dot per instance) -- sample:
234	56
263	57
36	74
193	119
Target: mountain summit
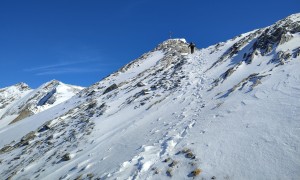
229	111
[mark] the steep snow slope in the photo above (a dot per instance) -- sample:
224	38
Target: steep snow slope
230	111
20	102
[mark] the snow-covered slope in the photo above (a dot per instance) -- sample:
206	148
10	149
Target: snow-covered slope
9	96
229	111
19	101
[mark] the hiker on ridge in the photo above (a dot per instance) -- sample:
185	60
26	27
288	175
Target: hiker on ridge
192	46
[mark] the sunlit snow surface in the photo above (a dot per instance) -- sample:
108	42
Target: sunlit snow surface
168	117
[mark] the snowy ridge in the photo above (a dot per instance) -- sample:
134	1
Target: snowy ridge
229	111
9	96
27	102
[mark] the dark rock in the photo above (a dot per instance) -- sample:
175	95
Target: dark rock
6	149
174	163
297	53
190	155
44	127
92	105
66	157
145	91
28	136
169	172
167	159
195	173
110	88
91	93
140	84
285	38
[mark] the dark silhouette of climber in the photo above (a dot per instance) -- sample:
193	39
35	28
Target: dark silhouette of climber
192	46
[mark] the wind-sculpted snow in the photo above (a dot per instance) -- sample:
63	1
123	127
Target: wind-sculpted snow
229	111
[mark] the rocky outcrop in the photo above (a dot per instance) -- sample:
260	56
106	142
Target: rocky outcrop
277	34
23	114
264	40
252	80
110	88
175	45
236	47
225	75
23	86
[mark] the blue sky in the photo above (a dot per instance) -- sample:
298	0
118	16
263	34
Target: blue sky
82	41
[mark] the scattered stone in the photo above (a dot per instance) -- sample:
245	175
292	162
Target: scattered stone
169	172
145	91
78	177
192	163
186	150
90	175
66	157
140	84
196	172
167	159
190	155
156	170
214	177
16	158
45	127
49	137
174	163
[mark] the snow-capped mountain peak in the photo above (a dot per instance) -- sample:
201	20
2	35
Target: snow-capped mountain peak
21	102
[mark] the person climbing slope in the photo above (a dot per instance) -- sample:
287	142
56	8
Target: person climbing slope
192	46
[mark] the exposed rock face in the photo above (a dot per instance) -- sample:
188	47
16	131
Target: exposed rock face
29	136
253	79
277	34
237	47
264	40
175	45
23	114
22	86
110	88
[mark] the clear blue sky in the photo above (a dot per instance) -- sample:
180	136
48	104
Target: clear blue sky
82	41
